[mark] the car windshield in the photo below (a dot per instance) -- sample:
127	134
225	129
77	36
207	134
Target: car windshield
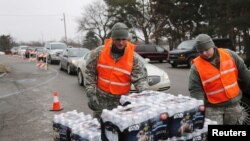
186	45
58	46
39	49
23	47
77	52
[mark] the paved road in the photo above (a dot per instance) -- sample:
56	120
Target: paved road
178	78
26	96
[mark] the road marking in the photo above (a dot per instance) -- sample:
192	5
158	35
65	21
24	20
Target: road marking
39	85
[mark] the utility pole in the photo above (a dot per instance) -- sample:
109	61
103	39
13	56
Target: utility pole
65	31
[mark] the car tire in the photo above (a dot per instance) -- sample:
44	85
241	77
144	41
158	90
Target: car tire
190	62
80	77
245	103
49	60
174	65
69	70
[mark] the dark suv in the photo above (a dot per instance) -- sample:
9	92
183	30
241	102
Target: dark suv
153	52
186	51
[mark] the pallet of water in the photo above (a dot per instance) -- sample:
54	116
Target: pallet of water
189	113
74	126
135	122
165	115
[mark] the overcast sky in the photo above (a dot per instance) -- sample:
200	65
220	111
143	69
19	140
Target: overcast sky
40	20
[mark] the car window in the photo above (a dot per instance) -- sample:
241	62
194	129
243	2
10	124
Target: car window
87	56
159	49
65	52
23	47
150	49
186	45
224	43
76	53
39	49
140	48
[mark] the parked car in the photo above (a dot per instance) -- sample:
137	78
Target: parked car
54	49
28	51
158	79
81	67
40	53
186	51
21	50
153	52
183	54
69	59
14	50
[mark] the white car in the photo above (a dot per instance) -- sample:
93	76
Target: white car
157	78
2	53
21	50
14	50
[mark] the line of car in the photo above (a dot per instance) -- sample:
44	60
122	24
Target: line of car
73	61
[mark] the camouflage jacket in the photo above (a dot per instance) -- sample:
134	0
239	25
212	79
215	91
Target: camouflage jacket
196	89
104	99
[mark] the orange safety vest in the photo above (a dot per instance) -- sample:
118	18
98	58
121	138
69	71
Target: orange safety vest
219	85
114	77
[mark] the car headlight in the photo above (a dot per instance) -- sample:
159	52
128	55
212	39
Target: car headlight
152	80
182	56
74	62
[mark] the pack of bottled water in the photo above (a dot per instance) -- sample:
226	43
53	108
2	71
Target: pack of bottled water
133	122
189	113
166	116
65	123
89	130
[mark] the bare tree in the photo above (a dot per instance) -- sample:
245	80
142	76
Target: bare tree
96	19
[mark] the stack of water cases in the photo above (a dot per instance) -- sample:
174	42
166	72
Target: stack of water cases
74	126
153	116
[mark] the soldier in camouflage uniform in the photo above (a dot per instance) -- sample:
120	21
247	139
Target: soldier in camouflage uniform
214	77
101	97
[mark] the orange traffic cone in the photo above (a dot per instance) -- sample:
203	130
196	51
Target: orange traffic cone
56	104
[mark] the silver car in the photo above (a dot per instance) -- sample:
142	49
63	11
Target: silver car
53	50
158	79
69	59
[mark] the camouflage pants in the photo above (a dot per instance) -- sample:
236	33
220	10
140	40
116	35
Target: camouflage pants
105	101
229	115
